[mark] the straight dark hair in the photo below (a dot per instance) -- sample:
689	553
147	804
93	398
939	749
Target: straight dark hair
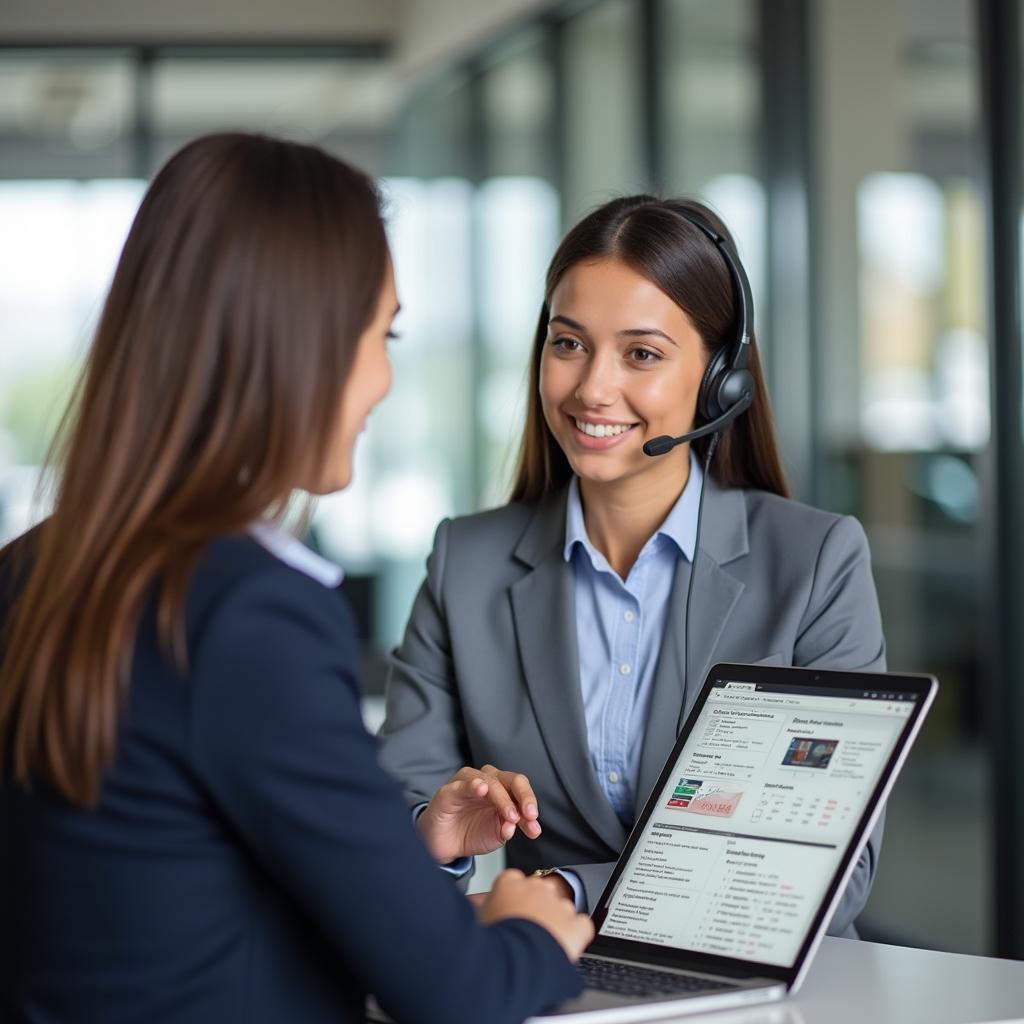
210	394
653	237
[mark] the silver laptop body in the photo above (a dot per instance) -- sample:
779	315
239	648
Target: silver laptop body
741	855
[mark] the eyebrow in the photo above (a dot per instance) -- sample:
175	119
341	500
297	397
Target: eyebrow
632	332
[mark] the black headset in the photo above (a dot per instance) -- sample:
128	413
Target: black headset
726	392
727	387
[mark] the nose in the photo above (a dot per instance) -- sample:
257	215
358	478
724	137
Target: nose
598	385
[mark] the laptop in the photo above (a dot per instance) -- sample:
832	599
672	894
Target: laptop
740	857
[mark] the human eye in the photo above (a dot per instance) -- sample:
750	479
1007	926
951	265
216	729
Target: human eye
644	356
566	345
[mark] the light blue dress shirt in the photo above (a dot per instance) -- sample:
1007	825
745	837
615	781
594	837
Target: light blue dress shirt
620	625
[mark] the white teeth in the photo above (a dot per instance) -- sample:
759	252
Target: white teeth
602	429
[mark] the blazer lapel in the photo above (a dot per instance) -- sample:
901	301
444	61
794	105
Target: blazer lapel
544	612
678	678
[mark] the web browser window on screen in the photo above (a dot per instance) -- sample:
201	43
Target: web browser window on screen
754	819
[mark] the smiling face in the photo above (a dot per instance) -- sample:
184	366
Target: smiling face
621	364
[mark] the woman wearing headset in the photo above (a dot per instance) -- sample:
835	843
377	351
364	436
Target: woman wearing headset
193	823
549	658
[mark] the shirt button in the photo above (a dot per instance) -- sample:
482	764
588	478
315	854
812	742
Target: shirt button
629	616
613	776
625	669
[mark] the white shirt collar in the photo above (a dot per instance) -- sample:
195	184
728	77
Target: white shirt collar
290	550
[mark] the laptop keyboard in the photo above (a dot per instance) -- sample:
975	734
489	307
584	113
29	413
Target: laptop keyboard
630	980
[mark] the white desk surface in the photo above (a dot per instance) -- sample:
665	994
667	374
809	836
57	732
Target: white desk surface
855	982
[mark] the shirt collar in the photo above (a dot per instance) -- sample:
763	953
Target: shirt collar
680	525
290	550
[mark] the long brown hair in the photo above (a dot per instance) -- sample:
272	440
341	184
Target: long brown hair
210	394
652	237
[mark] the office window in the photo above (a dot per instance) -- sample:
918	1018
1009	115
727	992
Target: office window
603	123
924	359
517	211
416	463
709	101
341	103
903	416
58	247
66	114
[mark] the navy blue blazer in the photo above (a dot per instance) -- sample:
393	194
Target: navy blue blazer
249	860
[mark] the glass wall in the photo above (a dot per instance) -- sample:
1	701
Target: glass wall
710	120
419	456
518	212
340	103
67	195
67	114
904	416
603	125
58	245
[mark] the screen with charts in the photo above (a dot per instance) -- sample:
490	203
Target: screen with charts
754	820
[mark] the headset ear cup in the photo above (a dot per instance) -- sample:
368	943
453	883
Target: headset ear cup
707	398
732	387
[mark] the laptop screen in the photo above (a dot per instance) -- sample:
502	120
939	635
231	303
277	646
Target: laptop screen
754	819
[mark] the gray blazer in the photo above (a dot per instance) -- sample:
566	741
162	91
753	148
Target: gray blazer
488	670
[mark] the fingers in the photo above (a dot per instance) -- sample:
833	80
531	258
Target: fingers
472	785
489	787
550	885
582	936
508	877
520	794
510	794
539	900
471	790
464	788
556	886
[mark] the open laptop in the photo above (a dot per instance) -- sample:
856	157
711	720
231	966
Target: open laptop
734	868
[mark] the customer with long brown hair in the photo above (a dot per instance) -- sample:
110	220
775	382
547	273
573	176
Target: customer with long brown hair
193	823
547	665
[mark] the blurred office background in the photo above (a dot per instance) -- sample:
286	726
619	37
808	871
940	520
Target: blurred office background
867	156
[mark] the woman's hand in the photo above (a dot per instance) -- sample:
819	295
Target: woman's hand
539	900
562	887
478	811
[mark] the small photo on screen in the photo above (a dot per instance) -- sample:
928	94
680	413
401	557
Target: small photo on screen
808	752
